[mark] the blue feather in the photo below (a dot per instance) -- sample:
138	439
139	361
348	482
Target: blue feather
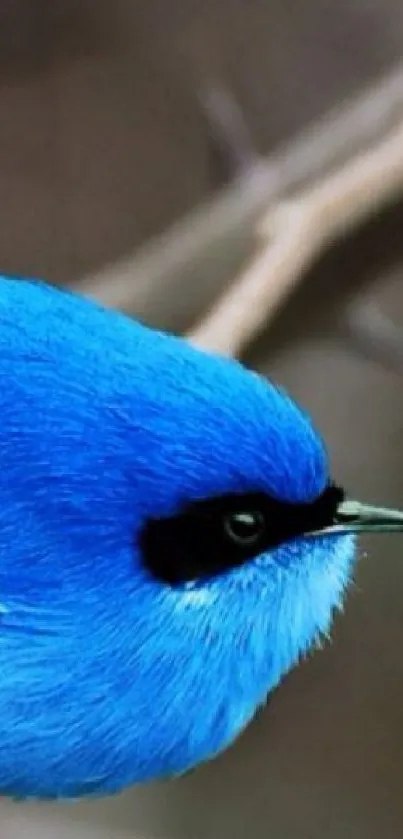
107	676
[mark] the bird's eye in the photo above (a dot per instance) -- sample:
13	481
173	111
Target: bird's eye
244	529
209	537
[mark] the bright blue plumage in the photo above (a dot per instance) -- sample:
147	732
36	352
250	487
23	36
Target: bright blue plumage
108	677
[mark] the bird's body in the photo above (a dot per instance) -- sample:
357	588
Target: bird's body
109	674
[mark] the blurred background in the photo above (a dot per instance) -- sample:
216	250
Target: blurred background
104	144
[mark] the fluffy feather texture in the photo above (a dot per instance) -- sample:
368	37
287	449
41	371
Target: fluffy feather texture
108	677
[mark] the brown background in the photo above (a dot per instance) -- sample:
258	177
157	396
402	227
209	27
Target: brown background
102	143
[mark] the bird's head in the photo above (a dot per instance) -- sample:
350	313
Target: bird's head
171	541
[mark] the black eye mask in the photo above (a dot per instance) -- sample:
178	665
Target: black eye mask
210	537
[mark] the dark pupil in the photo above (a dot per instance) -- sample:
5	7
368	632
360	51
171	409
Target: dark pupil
244	528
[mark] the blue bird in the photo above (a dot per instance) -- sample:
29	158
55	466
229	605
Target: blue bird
171	544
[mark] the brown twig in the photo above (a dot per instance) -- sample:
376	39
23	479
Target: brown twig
294	233
374	335
233	152
176	276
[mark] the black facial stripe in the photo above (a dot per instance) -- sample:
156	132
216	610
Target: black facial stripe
197	542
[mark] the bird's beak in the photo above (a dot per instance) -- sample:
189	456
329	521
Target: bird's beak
353	517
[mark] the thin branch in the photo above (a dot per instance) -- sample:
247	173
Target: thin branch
298	230
232	149
175	276
374	334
